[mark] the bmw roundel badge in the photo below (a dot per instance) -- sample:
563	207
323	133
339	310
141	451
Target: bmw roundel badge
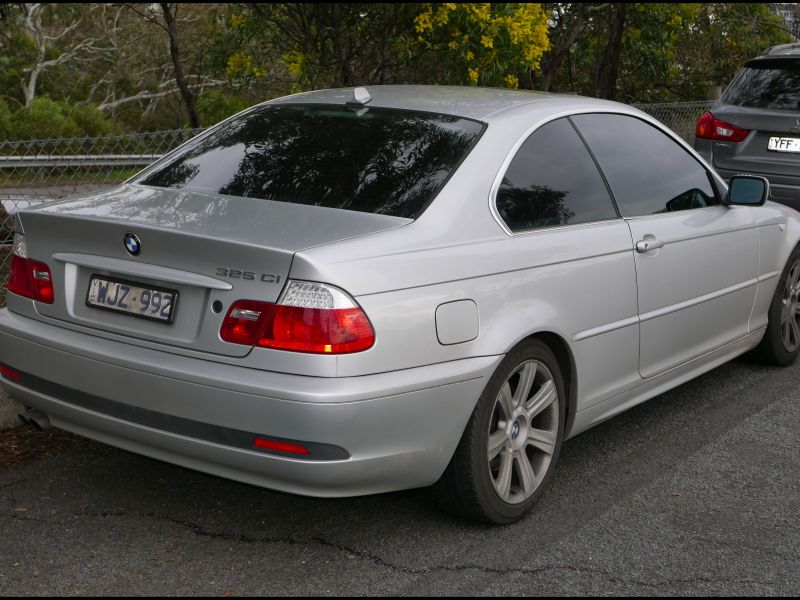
132	244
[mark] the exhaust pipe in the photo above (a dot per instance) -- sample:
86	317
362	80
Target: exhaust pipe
38	419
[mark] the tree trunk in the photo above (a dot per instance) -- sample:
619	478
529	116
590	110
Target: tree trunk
609	66
180	79
29	86
550	68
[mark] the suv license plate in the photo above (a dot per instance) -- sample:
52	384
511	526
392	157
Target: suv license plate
136	300
784	144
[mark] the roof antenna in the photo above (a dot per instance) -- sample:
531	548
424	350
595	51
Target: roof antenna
360	96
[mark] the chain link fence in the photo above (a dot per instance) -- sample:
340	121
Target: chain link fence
35	171
681	117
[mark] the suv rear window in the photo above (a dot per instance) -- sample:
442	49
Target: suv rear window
766	84
375	160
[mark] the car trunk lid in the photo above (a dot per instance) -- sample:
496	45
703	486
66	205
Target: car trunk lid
210	250
753	154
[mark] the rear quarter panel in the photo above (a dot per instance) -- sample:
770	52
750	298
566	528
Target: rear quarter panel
577	282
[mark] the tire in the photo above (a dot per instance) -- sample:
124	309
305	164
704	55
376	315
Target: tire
498	486
781	342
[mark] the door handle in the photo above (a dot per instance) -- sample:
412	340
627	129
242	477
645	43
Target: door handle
648	243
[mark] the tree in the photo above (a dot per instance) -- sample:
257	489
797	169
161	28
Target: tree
166	18
608	69
568	21
489	44
658	52
52	29
309	46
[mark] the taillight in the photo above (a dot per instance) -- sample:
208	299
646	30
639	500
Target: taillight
245	321
308	317
710	128
29	278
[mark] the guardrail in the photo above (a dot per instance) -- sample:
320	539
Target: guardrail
40	166
78	160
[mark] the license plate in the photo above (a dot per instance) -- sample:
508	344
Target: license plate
136	300
784	144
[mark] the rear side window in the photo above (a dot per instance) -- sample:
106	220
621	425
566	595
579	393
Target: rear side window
648	171
551	181
767	84
375	160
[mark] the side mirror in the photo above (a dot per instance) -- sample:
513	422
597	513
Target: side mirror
747	190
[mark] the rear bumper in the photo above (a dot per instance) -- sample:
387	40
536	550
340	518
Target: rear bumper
398	429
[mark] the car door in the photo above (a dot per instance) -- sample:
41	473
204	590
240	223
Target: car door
696	259
579	276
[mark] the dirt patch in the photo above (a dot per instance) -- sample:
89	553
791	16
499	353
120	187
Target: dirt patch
26	443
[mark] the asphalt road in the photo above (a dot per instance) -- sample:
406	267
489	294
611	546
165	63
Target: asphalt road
696	492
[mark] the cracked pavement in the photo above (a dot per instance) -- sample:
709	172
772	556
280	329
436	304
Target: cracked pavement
696	492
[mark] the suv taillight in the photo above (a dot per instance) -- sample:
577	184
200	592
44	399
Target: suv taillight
710	128
29	278
308	317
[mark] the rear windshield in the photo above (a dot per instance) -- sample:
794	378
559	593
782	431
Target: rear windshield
767	84
375	160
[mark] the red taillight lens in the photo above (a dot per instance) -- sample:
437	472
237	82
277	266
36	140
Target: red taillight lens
29	278
322	331
710	128
41	281
245	321
309	317
19	281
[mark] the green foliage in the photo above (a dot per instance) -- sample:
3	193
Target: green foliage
17	51
236	55
43	119
90	120
672	51
5	120
46	118
301	46
213	106
489	44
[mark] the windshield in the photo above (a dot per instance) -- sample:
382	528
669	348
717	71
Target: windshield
375	160
767	84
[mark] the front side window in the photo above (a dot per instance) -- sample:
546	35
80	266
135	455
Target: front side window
375	160
648	171
552	181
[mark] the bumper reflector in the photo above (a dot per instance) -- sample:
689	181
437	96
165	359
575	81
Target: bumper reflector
9	373
279	446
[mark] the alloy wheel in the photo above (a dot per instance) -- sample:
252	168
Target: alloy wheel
790	310
523	431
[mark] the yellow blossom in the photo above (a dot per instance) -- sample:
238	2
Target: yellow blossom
423	21
473	75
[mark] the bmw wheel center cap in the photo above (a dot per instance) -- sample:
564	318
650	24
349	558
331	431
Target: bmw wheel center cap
132	244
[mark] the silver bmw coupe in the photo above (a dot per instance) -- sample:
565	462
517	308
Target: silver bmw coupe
354	291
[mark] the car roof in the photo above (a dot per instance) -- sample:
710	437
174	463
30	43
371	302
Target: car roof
789	50
472	102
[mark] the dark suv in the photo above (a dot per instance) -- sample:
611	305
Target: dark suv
755	127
